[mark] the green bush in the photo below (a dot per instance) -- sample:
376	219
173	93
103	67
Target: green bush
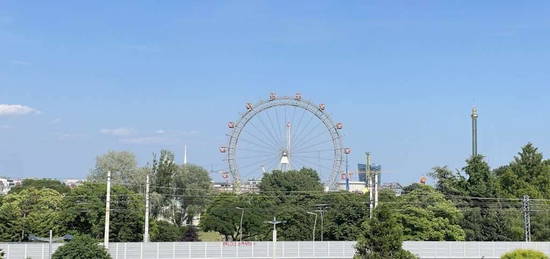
82	247
1	254
524	254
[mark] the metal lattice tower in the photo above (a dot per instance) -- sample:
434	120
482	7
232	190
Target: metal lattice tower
526	218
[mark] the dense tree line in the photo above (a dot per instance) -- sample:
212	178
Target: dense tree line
178	192
491	200
473	203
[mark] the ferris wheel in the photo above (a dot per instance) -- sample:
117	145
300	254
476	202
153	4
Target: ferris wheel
284	133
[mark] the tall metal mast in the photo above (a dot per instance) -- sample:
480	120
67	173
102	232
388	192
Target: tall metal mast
474	131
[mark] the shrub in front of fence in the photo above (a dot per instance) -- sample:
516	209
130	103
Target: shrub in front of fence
82	247
524	254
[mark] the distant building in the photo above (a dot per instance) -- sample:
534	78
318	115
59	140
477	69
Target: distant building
250	186
395	187
362	172
222	186
72	183
7	184
354	186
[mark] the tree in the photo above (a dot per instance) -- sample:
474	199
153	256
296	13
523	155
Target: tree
223	216
178	192
193	188
345	210
447	182
484	219
84	212
481	181
524	254
163	231
82	247
382	237
528	174
30	211
41	184
296	186
426	215
123	167
190	234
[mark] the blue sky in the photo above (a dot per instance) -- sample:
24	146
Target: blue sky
144	75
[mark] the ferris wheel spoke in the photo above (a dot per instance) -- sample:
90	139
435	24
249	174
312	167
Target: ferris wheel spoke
307	140
315	166
299	124
256	150
278	125
256	156
303	129
259	163
265	137
313	151
255	144
268	129
313	145
320	158
275	131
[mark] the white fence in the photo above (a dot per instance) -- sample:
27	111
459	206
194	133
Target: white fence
302	249
487	250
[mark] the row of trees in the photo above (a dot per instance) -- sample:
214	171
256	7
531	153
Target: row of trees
178	192
491	200
474	203
292	196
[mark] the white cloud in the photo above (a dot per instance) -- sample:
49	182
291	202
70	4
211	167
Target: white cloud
118	131
16	109
160	131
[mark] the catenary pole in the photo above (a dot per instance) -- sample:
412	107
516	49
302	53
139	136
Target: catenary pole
146	234
107	211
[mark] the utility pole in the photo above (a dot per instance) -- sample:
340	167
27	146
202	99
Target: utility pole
322	208
107	211
274	222
241	225
376	175
314	224
526	218
146	234
369	183
347	151
50	247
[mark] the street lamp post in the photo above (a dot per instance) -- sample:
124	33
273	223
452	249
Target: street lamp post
241	225
314	224
274	222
